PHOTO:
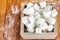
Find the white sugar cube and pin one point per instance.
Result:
(25, 11)
(28, 11)
(24, 20)
(50, 27)
(43, 26)
(36, 7)
(40, 21)
(51, 20)
(46, 14)
(38, 30)
(37, 15)
(43, 4)
(30, 30)
(48, 7)
(29, 5)
(31, 19)
(30, 25)
(54, 13)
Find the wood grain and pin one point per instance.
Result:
(2, 11)
(14, 30)
(3, 4)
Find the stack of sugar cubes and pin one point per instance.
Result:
(39, 17)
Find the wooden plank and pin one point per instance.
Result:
(2, 17)
(2, 11)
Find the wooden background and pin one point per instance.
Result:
(5, 3)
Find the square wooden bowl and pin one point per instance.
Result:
(27, 35)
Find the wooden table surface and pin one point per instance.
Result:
(2, 10)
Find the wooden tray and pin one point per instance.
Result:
(26, 35)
